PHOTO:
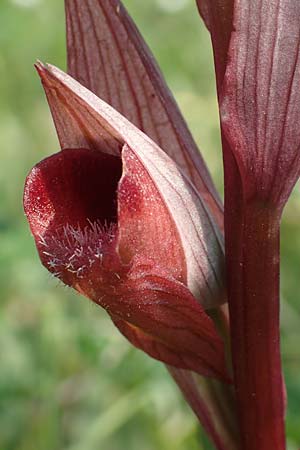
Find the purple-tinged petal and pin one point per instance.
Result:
(107, 54)
(146, 227)
(82, 118)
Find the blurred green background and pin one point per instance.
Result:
(68, 380)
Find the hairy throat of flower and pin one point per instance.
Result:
(74, 254)
(71, 202)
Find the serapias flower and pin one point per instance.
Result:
(116, 220)
(135, 230)
(133, 221)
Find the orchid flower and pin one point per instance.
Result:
(118, 222)
(126, 212)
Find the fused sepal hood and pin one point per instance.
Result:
(83, 120)
(123, 207)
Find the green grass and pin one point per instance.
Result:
(68, 380)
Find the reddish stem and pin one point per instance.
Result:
(252, 254)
